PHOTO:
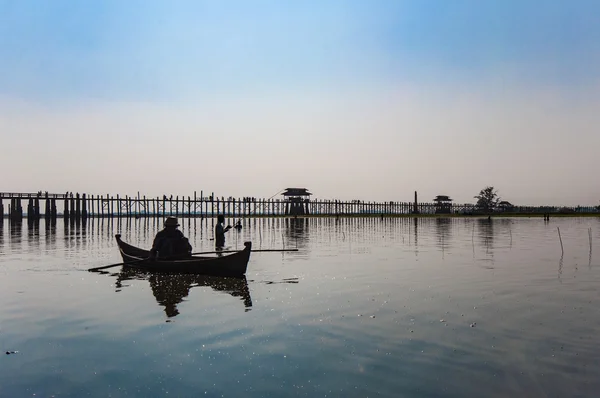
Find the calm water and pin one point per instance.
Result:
(366, 307)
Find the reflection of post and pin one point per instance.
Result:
(66, 231)
(560, 266)
(486, 232)
(16, 231)
(416, 222)
(296, 230)
(590, 236)
(443, 226)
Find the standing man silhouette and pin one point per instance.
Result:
(220, 232)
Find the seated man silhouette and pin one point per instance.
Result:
(170, 242)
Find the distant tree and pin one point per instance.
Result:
(488, 199)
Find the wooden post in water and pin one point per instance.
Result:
(201, 203)
(84, 212)
(18, 210)
(72, 200)
(77, 206)
(14, 210)
(30, 211)
(66, 213)
(1, 211)
(177, 206)
(36, 208)
(53, 209)
(111, 210)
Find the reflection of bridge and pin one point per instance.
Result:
(82, 205)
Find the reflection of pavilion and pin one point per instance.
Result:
(296, 231)
(443, 227)
(297, 200)
(171, 289)
(486, 232)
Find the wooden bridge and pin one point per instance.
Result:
(77, 206)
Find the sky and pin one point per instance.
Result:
(368, 100)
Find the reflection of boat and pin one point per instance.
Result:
(171, 289)
(225, 265)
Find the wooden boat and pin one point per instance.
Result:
(234, 264)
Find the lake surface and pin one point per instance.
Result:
(398, 307)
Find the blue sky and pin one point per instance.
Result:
(159, 50)
(311, 69)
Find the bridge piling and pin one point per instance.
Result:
(84, 212)
(77, 206)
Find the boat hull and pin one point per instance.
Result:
(225, 265)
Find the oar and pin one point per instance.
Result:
(114, 265)
(253, 251)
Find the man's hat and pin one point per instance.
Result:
(171, 222)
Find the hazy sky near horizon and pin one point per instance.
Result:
(352, 99)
